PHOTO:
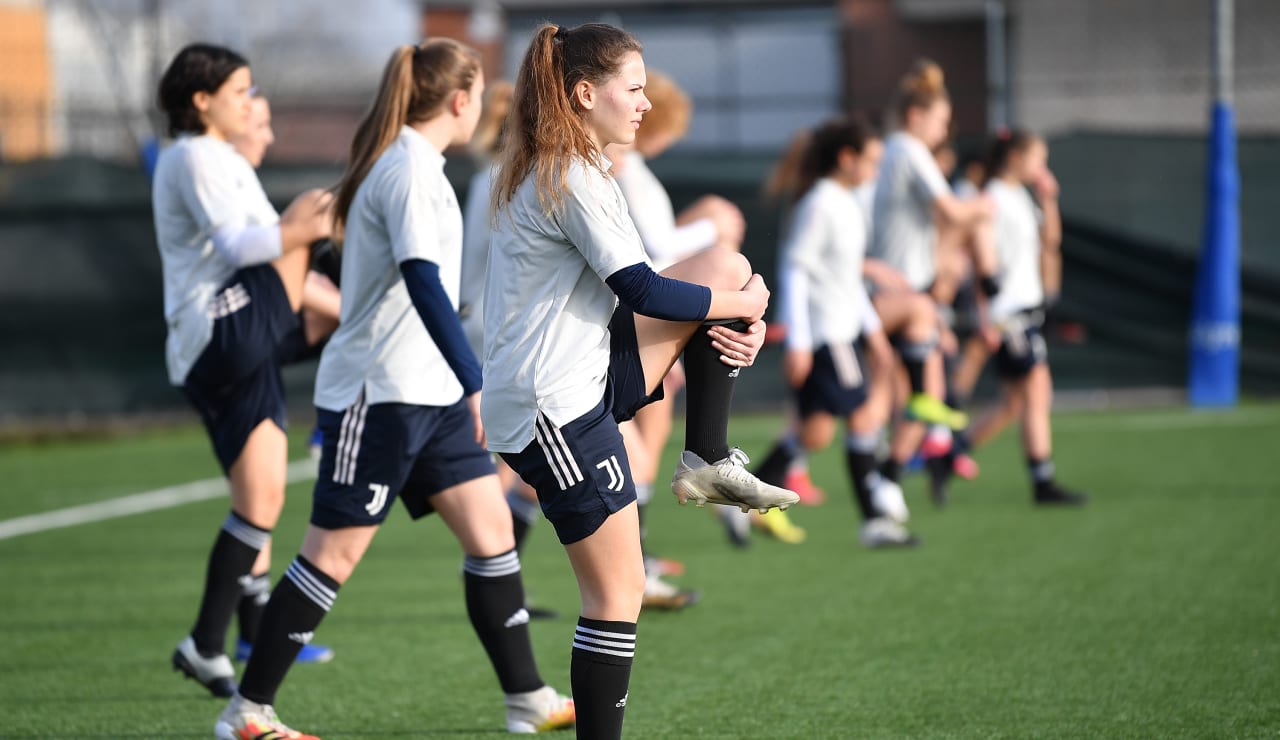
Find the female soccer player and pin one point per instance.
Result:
(1023, 235)
(830, 322)
(319, 319)
(234, 284)
(564, 363)
(398, 396)
(913, 200)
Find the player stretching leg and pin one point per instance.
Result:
(565, 363)
(234, 275)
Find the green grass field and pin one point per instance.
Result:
(1155, 612)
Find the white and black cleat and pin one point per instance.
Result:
(726, 482)
(215, 674)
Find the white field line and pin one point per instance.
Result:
(138, 503)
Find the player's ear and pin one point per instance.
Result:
(201, 101)
(585, 93)
(458, 103)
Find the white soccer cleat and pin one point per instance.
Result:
(215, 674)
(887, 498)
(539, 711)
(882, 532)
(726, 482)
(247, 720)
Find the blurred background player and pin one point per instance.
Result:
(398, 397)
(234, 276)
(580, 331)
(913, 202)
(252, 144)
(830, 322)
(1024, 233)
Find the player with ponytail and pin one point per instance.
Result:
(580, 331)
(398, 397)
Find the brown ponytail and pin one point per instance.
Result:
(493, 117)
(923, 86)
(545, 129)
(415, 85)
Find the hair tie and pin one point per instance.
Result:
(559, 35)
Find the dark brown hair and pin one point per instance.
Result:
(197, 68)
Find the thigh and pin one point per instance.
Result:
(661, 342)
(478, 515)
(257, 477)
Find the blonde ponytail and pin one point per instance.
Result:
(923, 86)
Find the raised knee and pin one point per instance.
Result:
(730, 270)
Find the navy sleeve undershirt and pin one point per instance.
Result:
(649, 294)
(422, 278)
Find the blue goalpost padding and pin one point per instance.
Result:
(1214, 367)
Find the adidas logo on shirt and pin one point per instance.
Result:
(301, 637)
(515, 620)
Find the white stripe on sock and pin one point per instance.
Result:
(591, 649)
(319, 593)
(610, 635)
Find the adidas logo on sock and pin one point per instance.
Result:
(622, 704)
(515, 620)
(301, 637)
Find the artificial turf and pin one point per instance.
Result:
(1153, 612)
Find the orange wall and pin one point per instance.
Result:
(26, 84)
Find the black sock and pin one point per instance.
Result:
(298, 604)
(960, 442)
(255, 591)
(1042, 473)
(495, 604)
(600, 674)
(524, 514)
(891, 469)
(951, 398)
(773, 469)
(914, 355)
(860, 457)
(708, 395)
(234, 551)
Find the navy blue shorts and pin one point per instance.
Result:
(375, 453)
(1022, 346)
(235, 384)
(580, 470)
(837, 384)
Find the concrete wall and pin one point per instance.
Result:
(1138, 65)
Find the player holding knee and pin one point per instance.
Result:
(234, 274)
(565, 363)
(1023, 233)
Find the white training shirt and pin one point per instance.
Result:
(822, 266)
(201, 185)
(902, 228)
(475, 257)
(655, 217)
(404, 209)
(547, 307)
(1017, 237)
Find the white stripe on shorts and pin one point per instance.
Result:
(558, 454)
(845, 360)
(344, 467)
